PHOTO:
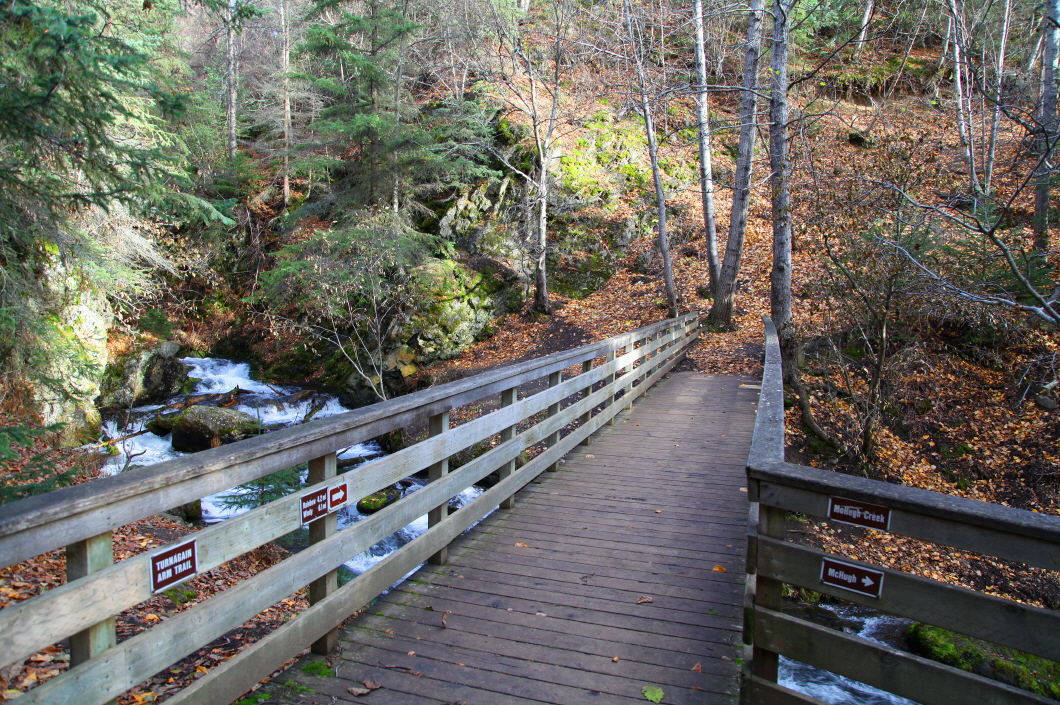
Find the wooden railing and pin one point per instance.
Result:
(776, 487)
(82, 517)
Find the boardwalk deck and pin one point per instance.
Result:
(539, 604)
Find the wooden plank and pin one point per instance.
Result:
(549, 648)
(895, 671)
(437, 425)
(768, 592)
(974, 530)
(558, 682)
(82, 559)
(994, 619)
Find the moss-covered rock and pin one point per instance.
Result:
(457, 303)
(378, 500)
(202, 427)
(1001, 663)
(144, 375)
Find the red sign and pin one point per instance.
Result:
(851, 511)
(338, 496)
(852, 577)
(314, 505)
(173, 565)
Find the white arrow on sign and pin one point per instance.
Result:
(866, 582)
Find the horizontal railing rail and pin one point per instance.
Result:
(777, 487)
(82, 517)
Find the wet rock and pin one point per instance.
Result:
(202, 427)
(378, 500)
(1047, 403)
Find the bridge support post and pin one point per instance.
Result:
(508, 397)
(587, 366)
(608, 380)
(767, 592)
(553, 380)
(83, 558)
(321, 469)
(439, 423)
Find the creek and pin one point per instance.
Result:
(274, 406)
(838, 690)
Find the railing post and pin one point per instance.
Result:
(608, 380)
(508, 397)
(439, 423)
(553, 380)
(321, 469)
(82, 559)
(646, 364)
(587, 366)
(768, 592)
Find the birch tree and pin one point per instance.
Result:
(721, 311)
(706, 167)
(635, 32)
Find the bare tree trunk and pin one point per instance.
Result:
(706, 167)
(963, 88)
(285, 67)
(866, 17)
(230, 74)
(1047, 124)
(780, 277)
(636, 39)
(541, 302)
(721, 311)
(998, 87)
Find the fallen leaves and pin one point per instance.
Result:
(644, 599)
(445, 615)
(698, 668)
(719, 569)
(520, 544)
(653, 693)
(372, 685)
(354, 690)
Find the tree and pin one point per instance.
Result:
(639, 51)
(721, 310)
(530, 78)
(1047, 137)
(706, 169)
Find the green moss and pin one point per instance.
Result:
(180, 594)
(1033, 673)
(378, 500)
(318, 668)
(254, 699)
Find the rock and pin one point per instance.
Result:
(144, 376)
(1047, 403)
(391, 442)
(162, 424)
(378, 500)
(202, 427)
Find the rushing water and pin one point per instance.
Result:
(839, 690)
(274, 406)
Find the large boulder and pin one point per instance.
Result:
(202, 427)
(145, 376)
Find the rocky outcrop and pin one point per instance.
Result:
(144, 376)
(202, 427)
(458, 303)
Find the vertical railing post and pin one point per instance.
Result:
(648, 364)
(768, 592)
(438, 424)
(320, 470)
(82, 559)
(587, 367)
(553, 380)
(508, 397)
(608, 380)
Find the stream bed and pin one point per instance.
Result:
(274, 406)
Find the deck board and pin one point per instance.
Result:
(649, 508)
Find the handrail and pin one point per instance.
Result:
(776, 487)
(82, 517)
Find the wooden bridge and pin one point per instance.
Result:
(613, 563)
